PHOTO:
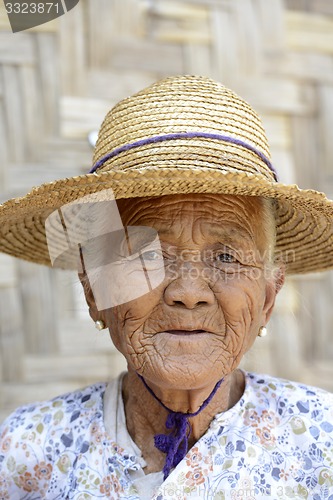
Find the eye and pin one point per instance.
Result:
(151, 255)
(226, 258)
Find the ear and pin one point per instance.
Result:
(273, 286)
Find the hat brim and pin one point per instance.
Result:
(304, 217)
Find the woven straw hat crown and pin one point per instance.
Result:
(190, 108)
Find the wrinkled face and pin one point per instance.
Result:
(216, 293)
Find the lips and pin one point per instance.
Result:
(185, 332)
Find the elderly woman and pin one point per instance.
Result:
(181, 234)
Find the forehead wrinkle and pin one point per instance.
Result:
(130, 209)
(242, 212)
(201, 231)
(228, 225)
(248, 221)
(202, 203)
(152, 213)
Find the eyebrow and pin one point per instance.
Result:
(233, 235)
(236, 234)
(138, 239)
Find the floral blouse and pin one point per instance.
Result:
(275, 443)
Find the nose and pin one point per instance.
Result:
(188, 293)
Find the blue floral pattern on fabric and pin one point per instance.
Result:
(276, 442)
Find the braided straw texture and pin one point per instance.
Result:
(176, 105)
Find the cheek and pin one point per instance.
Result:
(241, 300)
(126, 322)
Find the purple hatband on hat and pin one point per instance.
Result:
(182, 135)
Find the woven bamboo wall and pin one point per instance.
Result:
(56, 83)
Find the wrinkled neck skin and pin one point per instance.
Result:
(145, 416)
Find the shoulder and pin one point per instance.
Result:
(289, 396)
(263, 382)
(59, 410)
(34, 437)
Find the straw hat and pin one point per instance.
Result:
(183, 134)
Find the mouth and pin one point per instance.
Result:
(185, 332)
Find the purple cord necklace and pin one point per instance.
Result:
(175, 444)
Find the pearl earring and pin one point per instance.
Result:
(262, 331)
(99, 324)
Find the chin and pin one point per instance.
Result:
(185, 374)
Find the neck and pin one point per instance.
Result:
(145, 416)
